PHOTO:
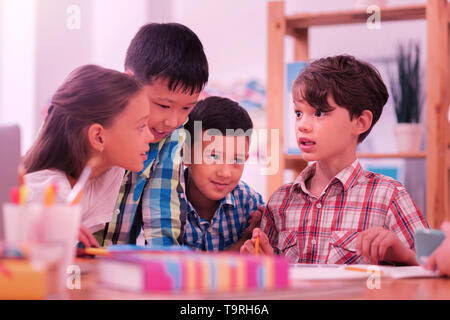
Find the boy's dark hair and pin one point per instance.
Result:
(353, 84)
(168, 51)
(220, 114)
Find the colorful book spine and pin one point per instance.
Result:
(204, 273)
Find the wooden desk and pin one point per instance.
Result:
(405, 289)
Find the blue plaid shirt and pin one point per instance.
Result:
(228, 223)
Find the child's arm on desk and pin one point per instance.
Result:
(379, 244)
(86, 238)
(264, 244)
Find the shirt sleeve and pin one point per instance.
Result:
(161, 203)
(404, 218)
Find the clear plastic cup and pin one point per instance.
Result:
(50, 233)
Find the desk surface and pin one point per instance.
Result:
(388, 289)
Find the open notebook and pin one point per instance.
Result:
(355, 272)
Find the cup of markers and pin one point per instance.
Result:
(48, 231)
(19, 217)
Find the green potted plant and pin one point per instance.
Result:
(406, 97)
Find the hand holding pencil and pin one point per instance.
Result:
(258, 244)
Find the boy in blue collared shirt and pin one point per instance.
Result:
(221, 210)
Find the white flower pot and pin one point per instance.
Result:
(409, 136)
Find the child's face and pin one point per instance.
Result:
(127, 139)
(168, 109)
(323, 136)
(222, 166)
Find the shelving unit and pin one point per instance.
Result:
(437, 15)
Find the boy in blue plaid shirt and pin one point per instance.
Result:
(169, 61)
(221, 210)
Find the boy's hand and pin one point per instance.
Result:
(440, 258)
(255, 219)
(264, 246)
(378, 244)
(86, 238)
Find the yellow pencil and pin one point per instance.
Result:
(257, 245)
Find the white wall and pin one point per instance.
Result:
(63, 42)
(17, 66)
(115, 22)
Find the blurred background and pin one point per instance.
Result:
(41, 41)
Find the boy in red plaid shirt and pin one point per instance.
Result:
(335, 211)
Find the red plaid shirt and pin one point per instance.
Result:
(306, 229)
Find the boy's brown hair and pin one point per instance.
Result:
(353, 85)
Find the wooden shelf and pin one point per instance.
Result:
(294, 161)
(301, 21)
(399, 13)
(406, 155)
(409, 155)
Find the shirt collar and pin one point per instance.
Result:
(347, 176)
(178, 136)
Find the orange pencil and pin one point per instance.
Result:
(363, 270)
(96, 251)
(257, 245)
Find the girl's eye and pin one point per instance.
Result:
(298, 114)
(163, 106)
(142, 127)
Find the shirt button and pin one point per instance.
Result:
(313, 241)
(318, 206)
(117, 211)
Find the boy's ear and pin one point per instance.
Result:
(96, 137)
(363, 122)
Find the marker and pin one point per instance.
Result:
(15, 195)
(49, 196)
(23, 193)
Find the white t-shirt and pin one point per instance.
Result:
(98, 199)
